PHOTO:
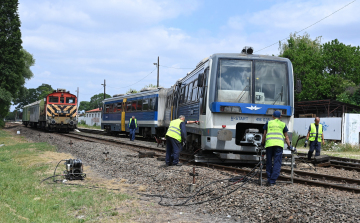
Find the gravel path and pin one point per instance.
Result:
(237, 203)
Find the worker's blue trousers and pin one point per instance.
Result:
(273, 170)
(314, 145)
(132, 134)
(173, 149)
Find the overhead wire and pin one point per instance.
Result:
(133, 83)
(308, 26)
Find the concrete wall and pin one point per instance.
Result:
(351, 129)
(331, 127)
(91, 118)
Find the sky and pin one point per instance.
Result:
(80, 43)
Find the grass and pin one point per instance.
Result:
(88, 126)
(24, 199)
(331, 148)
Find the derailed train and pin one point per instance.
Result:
(232, 95)
(56, 112)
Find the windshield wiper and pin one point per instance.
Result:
(241, 96)
(280, 94)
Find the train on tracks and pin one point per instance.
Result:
(232, 95)
(56, 112)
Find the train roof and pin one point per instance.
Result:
(231, 55)
(134, 95)
(31, 104)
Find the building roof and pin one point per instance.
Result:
(95, 110)
(328, 108)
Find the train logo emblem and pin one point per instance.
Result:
(253, 108)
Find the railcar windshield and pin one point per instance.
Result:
(271, 83)
(234, 81)
(236, 77)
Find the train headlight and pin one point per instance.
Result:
(230, 109)
(71, 122)
(270, 111)
(53, 122)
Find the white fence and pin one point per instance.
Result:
(346, 129)
(91, 118)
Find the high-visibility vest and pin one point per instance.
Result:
(135, 122)
(274, 133)
(174, 129)
(313, 132)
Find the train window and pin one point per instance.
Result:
(70, 100)
(190, 91)
(62, 100)
(107, 108)
(182, 95)
(111, 108)
(128, 106)
(145, 104)
(114, 107)
(139, 105)
(195, 91)
(152, 103)
(133, 106)
(186, 93)
(119, 107)
(54, 99)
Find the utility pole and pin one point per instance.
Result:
(104, 88)
(158, 67)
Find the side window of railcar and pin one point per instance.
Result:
(145, 104)
(186, 93)
(62, 100)
(190, 91)
(133, 106)
(139, 105)
(195, 92)
(119, 107)
(152, 103)
(182, 95)
(53, 99)
(128, 106)
(114, 107)
(111, 108)
(107, 108)
(70, 100)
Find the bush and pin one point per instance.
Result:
(94, 125)
(295, 138)
(83, 122)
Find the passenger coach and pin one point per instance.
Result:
(147, 106)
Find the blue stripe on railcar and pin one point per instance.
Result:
(247, 108)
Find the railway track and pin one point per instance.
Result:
(301, 177)
(308, 178)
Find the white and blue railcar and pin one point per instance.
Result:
(147, 106)
(233, 96)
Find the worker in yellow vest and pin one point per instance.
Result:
(315, 132)
(275, 133)
(174, 136)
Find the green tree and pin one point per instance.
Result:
(12, 65)
(326, 71)
(31, 95)
(95, 102)
(132, 91)
(305, 56)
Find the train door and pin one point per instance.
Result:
(123, 115)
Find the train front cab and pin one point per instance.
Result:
(60, 113)
(241, 95)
